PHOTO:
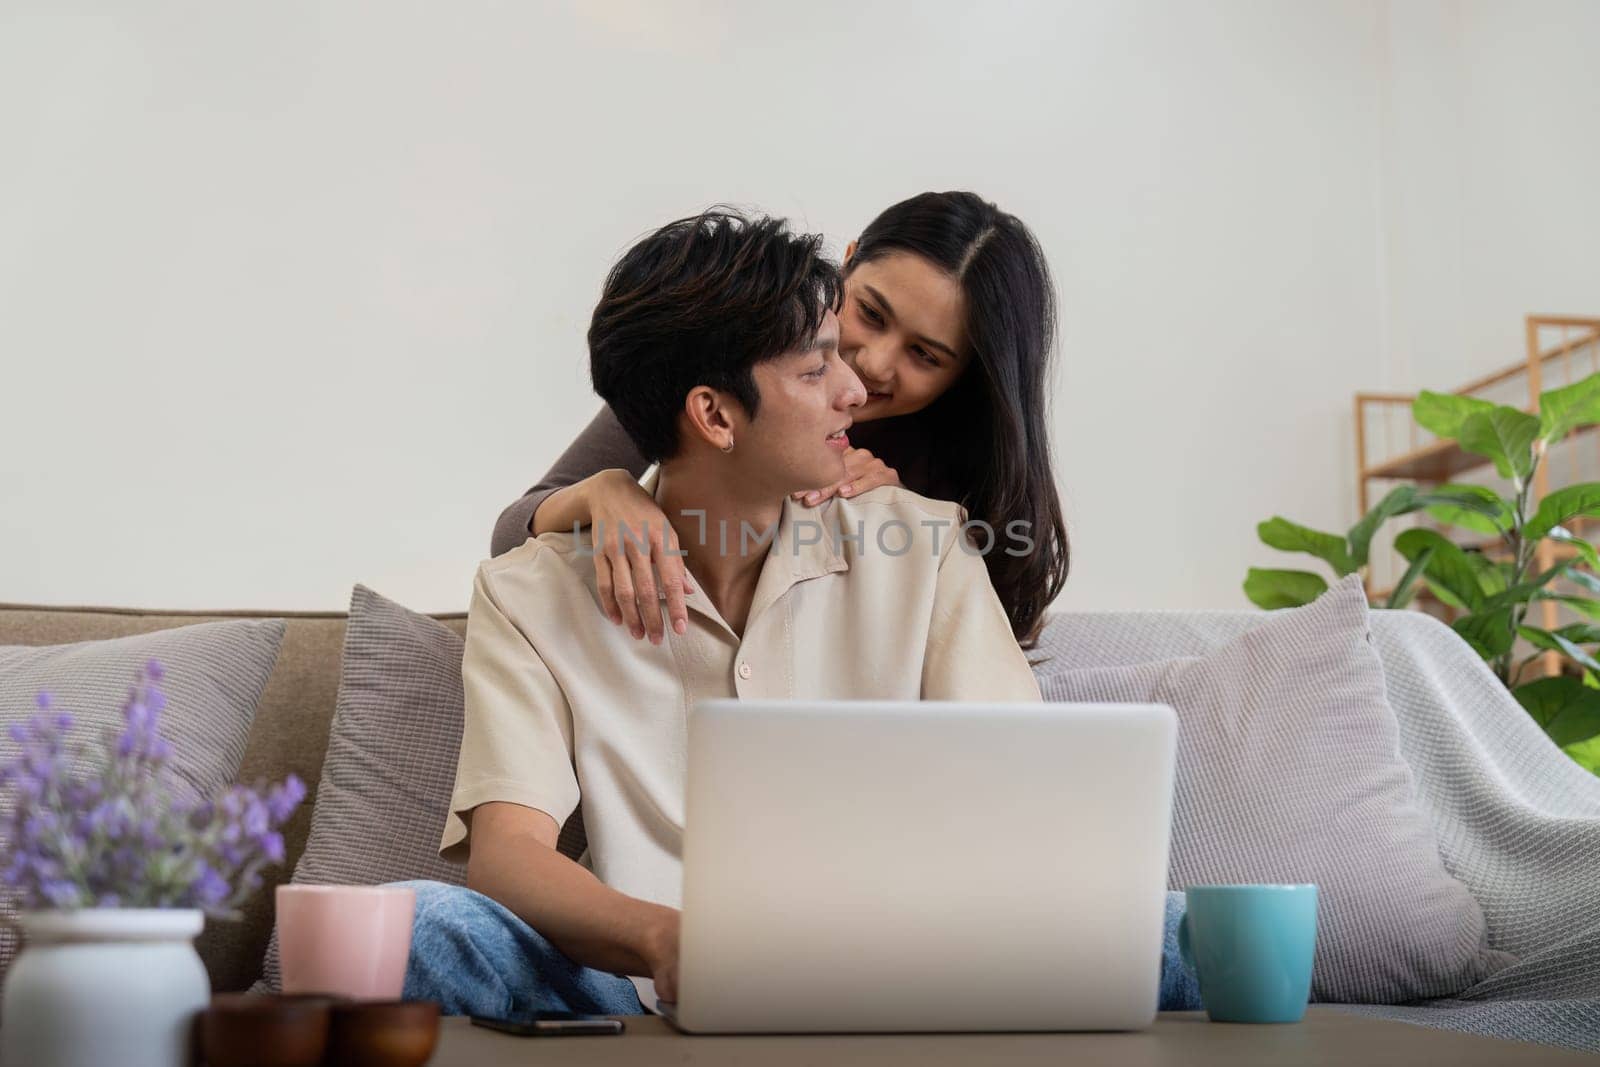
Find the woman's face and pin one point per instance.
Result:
(902, 331)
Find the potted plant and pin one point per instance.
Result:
(1491, 586)
(114, 877)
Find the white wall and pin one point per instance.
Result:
(1491, 165)
(292, 295)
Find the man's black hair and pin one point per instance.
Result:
(700, 302)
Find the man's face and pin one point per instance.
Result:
(797, 439)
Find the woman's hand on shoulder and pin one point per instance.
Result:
(862, 472)
(636, 561)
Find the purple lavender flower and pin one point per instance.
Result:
(117, 837)
(282, 799)
(61, 893)
(128, 863)
(200, 817)
(256, 818)
(209, 887)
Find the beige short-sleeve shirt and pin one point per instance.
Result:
(873, 598)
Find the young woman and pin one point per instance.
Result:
(948, 317)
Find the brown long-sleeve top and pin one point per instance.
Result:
(902, 443)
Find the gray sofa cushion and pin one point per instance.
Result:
(391, 759)
(391, 756)
(214, 676)
(1289, 770)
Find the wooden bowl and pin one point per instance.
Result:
(249, 1030)
(383, 1033)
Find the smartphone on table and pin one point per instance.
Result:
(552, 1024)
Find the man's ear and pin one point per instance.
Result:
(709, 416)
(849, 254)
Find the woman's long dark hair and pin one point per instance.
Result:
(989, 430)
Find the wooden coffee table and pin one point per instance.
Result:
(1326, 1036)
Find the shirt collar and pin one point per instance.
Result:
(806, 547)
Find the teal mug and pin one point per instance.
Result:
(1251, 947)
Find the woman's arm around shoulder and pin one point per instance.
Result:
(603, 445)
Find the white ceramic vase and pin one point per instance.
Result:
(104, 986)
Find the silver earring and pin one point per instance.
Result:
(729, 446)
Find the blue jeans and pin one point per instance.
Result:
(470, 953)
(474, 957)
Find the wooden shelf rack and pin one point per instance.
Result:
(1560, 349)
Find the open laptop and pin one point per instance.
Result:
(919, 866)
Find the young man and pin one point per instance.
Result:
(715, 344)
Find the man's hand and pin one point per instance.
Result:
(660, 953)
(862, 471)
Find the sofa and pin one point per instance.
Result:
(1495, 787)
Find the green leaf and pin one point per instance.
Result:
(1443, 593)
(1581, 633)
(1579, 576)
(1402, 590)
(1443, 413)
(1562, 506)
(1578, 544)
(1544, 698)
(1272, 589)
(1399, 501)
(1278, 532)
(1472, 507)
(1554, 641)
(1489, 633)
(1504, 435)
(1492, 576)
(1538, 638)
(1473, 500)
(1585, 754)
(1563, 410)
(1450, 574)
(1564, 708)
(1526, 591)
(1582, 605)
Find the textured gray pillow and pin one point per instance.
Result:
(1289, 770)
(391, 759)
(215, 672)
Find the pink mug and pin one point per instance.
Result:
(345, 940)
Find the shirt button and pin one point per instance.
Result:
(744, 670)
